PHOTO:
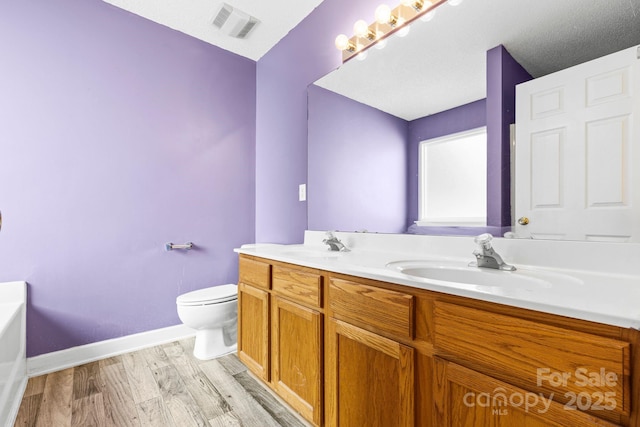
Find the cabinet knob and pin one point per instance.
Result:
(523, 220)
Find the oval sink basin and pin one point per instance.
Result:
(521, 279)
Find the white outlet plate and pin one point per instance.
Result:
(302, 192)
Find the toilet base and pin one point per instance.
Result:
(210, 343)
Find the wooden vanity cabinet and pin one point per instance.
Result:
(280, 331)
(577, 369)
(297, 340)
(253, 316)
(370, 378)
(370, 373)
(297, 357)
(349, 351)
(464, 397)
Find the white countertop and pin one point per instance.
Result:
(602, 291)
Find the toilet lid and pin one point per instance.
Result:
(215, 294)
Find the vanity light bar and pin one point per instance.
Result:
(388, 21)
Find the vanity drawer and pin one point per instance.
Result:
(575, 368)
(304, 286)
(255, 273)
(367, 306)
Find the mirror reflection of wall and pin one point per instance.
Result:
(357, 176)
(449, 76)
(338, 126)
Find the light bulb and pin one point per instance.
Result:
(381, 43)
(383, 14)
(417, 5)
(362, 55)
(360, 28)
(404, 30)
(342, 42)
(454, 2)
(428, 16)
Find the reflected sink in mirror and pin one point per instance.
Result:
(487, 278)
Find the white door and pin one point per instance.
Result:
(578, 152)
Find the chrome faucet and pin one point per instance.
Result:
(334, 243)
(486, 256)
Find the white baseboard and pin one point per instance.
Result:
(57, 360)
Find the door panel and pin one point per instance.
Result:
(370, 379)
(253, 329)
(297, 357)
(575, 154)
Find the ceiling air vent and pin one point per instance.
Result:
(234, 22)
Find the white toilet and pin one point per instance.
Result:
(213, 312)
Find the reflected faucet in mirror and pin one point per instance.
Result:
(486, 256)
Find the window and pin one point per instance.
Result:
(453, 180)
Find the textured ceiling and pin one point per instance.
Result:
(194, 17)
(442, 63)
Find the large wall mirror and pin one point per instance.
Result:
(362, 117)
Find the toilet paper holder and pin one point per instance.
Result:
(171, 246)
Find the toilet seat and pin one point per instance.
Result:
(206, 296)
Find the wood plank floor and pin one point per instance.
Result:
(158, 386)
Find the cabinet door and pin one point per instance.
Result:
(370, 378)
(297, 357)
(253, 329)
(558, 362)
(463, 397)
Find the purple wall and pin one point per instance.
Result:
(357, 166)
(503, 74)
(304, 55)
(117, 135)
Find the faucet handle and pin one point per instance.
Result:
(484, 240)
